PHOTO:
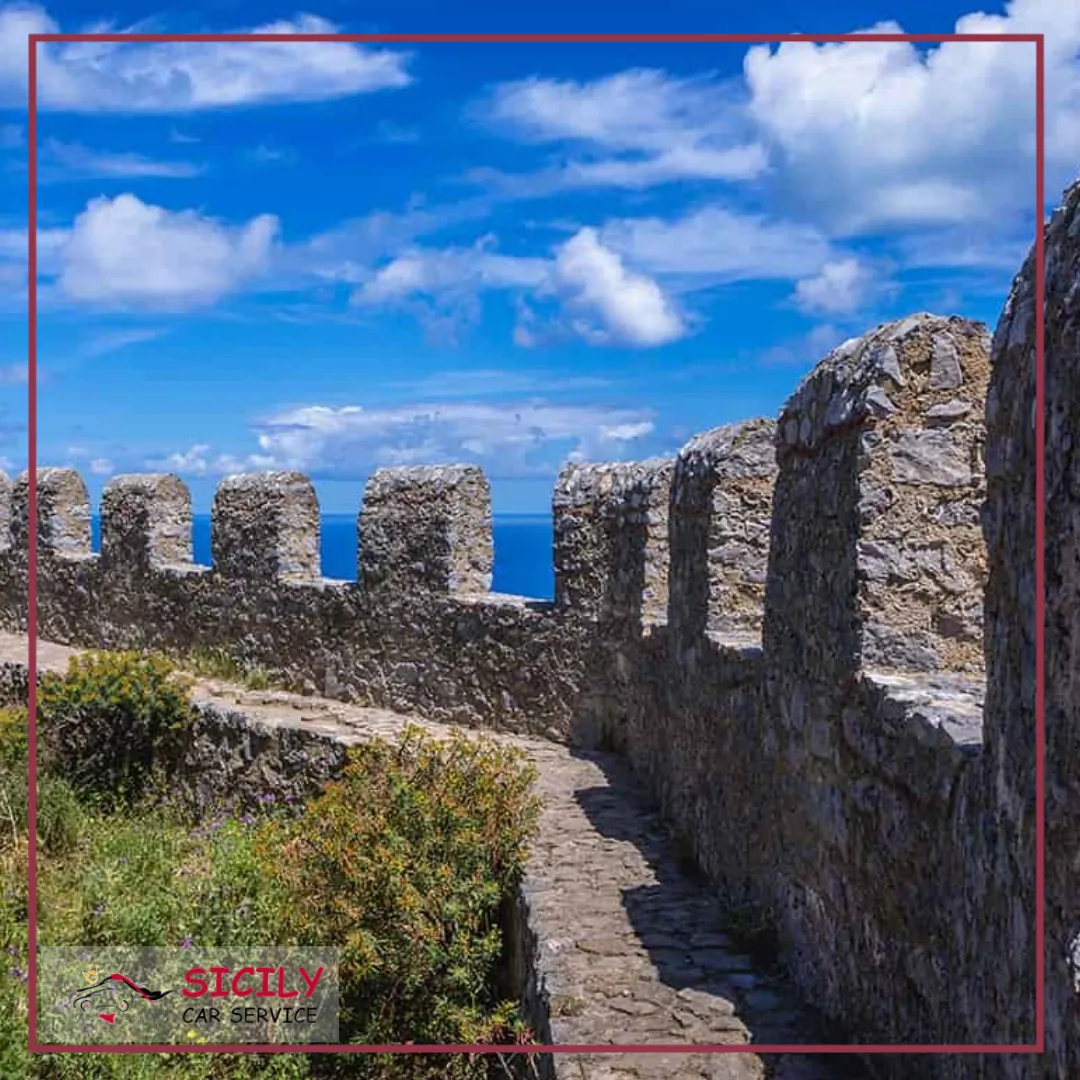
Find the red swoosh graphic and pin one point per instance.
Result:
(149, 995)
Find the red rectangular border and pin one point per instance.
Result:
(1038, 1047)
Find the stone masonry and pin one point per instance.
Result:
(599, 950)
(812, 641)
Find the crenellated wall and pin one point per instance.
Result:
(782, 628)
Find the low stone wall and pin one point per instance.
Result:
(412, 641)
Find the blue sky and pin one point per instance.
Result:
(333, 257)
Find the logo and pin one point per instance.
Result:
(112, 996)
(185, 995)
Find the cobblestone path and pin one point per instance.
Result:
(628, 946)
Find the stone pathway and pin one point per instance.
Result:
(628, 947)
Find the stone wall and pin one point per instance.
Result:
(1005, 913)
(781, 628)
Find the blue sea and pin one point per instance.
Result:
(523, 560)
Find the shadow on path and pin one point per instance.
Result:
(679, 920)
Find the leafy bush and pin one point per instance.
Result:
(111, 720)
(403, 863)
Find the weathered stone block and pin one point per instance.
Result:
(265, 526)
(63, 514)
(426, 528)
(877, 552)
(721, 507)
(145, 522)
(611, 540)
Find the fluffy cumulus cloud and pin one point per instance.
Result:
(124, 253)
(602, 300)
(511, 439)
(151, 78)
(616, 303)
(864, 138)
(873, 135)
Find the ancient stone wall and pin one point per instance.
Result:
(781, 628)
(1005, 911)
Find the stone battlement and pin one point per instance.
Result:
(874, 468)
(781, 628)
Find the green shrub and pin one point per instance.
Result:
(403, 863)
(110, 720)
(14, 776)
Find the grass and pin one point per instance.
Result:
(218, 662)
(402, 863)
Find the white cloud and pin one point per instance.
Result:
(350, 251)
(124, 253)
(852, 138)
(524, 438)
(628, 307)
(442, 287)
(840, 288)
(102, 467)
(882, 136)
(637, 128)
(449, 272)
(191, 462)
(156, 78)
(719, 244)
(112, 340)
(71, 161)
(606, 301)
(13, 263)
(50, 243)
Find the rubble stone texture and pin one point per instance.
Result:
(880, 452)
(264, 527)
(147, 522)
(781, 630)
(611, 541)
(1011, 515)
(426, 528)
(721, 504)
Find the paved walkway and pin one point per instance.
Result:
(629, 948)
